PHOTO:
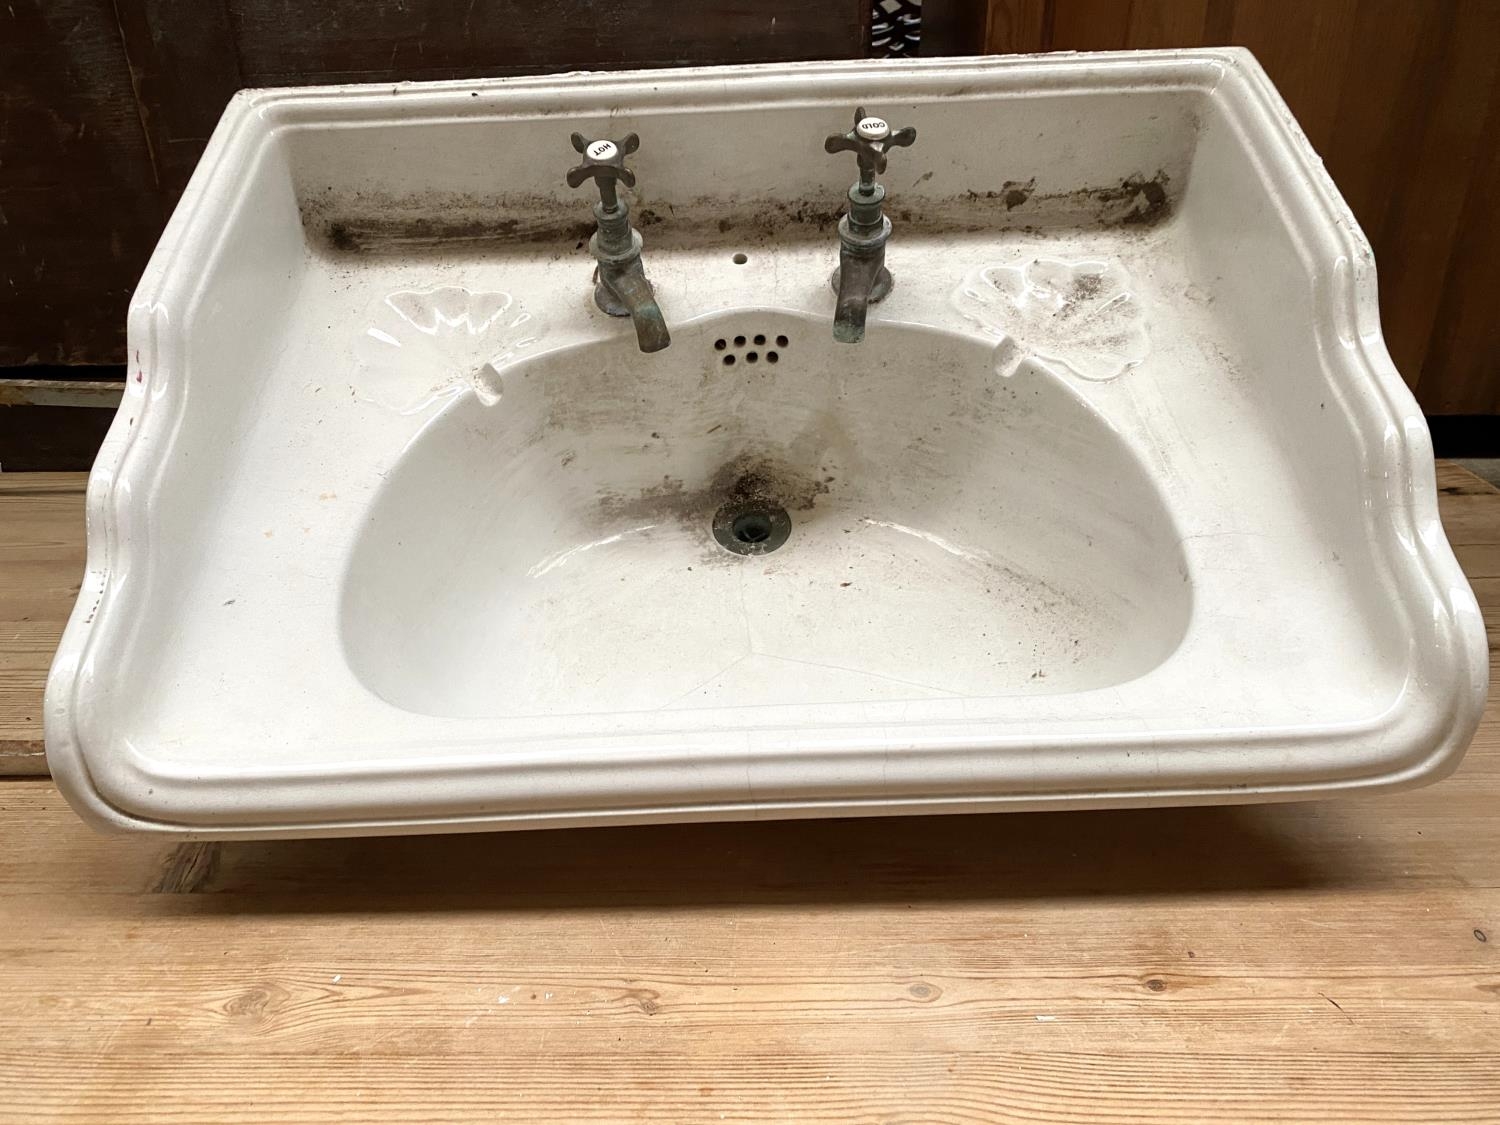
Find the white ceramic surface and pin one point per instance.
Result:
(1120, 501)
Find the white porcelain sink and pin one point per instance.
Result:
(1119, 502)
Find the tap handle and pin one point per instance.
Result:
(604, 163)
(869, 140)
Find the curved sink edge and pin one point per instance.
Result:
(131, 792)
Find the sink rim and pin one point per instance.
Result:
(116, 785)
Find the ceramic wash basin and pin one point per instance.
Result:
(1119, 502)
(927, 557)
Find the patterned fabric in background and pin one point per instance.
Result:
(895, 28)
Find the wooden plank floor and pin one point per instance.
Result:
(1320, 962)
(41, 564)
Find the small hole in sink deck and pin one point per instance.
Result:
(720, 344)
(740, 259)
(782, 341)
(729, 361)
(772, 357)
(751, 357)
(759, 340)
(739, 341)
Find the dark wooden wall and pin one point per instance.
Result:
(80, 205)
(1402, 100)
(105, 106)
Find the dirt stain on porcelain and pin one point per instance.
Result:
(749, 482)
(748, 479)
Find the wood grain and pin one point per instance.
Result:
(1422, 229)
(1337, 961)
(184, 68)
(1462, 366)
(1305, 48)
(1166, 23)
(79, 209)
(41, 565)
(959, 27)
(1014, 27)
(350, 40)
(1089, 25)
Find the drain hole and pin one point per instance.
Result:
(751, 529)
(740, 259)
(731, 354)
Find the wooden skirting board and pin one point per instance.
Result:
(1337, 961)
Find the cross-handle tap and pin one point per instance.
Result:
(869, 140)
(862, 278)
(620, 285)
(604, 163)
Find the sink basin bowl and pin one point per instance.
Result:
(577, 569)
(1119, 502)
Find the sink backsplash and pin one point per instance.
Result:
(732, 164)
